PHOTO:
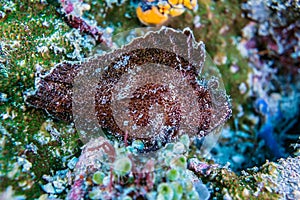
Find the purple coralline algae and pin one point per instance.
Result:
(73, 15)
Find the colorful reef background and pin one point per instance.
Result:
(256, 46)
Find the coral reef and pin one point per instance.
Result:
(257, 55)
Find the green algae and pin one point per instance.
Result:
(27, 26)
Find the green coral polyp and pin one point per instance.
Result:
(193, 195)
(165, 191)
(95, 194)
(172, 175)
(179, 190)
(98, 177)
(179, 162)
(122, 166)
